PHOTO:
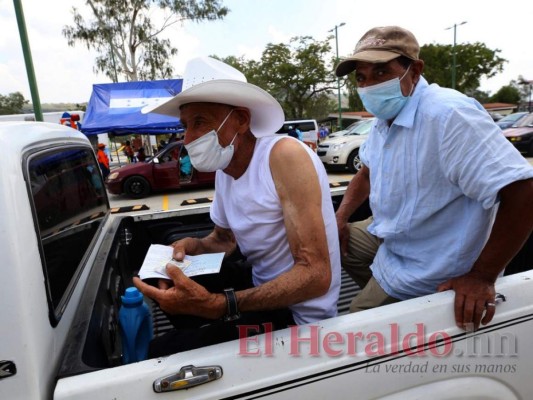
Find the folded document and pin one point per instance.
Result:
(158, 256)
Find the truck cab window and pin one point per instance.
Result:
(69, 202)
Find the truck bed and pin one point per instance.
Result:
(95, 343)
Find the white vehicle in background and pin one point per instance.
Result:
(343, 151)
(308, 127)
(348, 128)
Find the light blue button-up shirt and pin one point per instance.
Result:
(435, 174)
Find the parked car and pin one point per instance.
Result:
(495, 116)
(347, 129)
(343, 151)
(511, 119)
(521, 134)
(338, 133)
(161, 172)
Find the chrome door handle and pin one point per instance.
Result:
(188, 376)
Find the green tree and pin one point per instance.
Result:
(127, 39)
(12, 103)
(525, 88)
(473, 62)
(298, 74)
(507, 94)
(479, 95)
(354, 101)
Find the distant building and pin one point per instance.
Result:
(500, 108)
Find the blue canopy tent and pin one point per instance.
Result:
(115, 108)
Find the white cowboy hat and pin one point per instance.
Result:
(207, 80)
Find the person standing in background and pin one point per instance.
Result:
(128, 151)
(299, 133)
(103, 161)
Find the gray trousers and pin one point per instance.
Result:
(362, 248)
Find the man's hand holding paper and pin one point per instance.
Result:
(176, 293)
(183, 295)
(160, 257)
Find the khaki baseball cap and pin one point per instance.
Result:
(380, 45)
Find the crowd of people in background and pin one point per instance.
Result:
(133, 150)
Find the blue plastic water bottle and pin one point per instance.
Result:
(135, 326)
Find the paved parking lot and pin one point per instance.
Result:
(172, 200)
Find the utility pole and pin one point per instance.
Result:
(339, 120)
(454, 60)
(36, 102)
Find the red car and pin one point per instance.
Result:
(166, 170)
(521, 135)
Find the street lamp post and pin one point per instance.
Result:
(339, 120)
(454, 65)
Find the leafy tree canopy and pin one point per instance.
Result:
(525, 88)
(473, 61)
(12, 103)
(354, 101)
(298, 74)
(507, 94)
(126, 38)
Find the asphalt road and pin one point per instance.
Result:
(172, 200)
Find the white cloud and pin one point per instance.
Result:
(278, 36)
(250, 53)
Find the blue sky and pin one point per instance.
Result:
(66, 74)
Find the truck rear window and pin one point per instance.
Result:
(70, 202)
(303, 126)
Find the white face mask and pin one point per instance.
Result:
(206, 153)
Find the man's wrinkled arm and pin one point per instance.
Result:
(296, 182)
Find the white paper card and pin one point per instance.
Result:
(158, 256)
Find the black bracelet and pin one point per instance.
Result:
(232, 312)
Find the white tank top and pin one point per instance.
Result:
(251, 208)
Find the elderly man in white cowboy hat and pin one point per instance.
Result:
(272, 202)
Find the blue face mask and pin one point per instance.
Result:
(385, 100)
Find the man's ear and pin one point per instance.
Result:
(243, 119)
(417, 67)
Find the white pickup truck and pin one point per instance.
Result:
(65, 261)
